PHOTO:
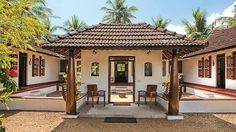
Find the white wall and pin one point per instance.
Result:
(190, 70)
(52, 65)
(141, 57)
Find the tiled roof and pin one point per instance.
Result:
(220, 39)
(47, 52)
(121, 35)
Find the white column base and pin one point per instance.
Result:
(70, 116)
(175, 117)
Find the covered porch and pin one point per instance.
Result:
(122, 40)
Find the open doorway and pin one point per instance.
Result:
(22, 69)
(121, 79)
(221, 71)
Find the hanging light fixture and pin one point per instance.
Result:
(94, 52)
(148, 52)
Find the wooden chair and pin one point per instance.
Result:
(63, 87)
(151, 93)
(165, 93)
(166, 90)
(93, 92)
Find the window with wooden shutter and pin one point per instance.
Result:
(199, 68)
(234, 65)
(35, 66)
(228, 67)
(41, 66)
(203, 66)
(208, 67)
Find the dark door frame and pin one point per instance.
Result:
(109, 73)
(22, 76)
(217, 76)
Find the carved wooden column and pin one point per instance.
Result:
(173, 108)
(71, 86)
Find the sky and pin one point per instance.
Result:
(175, 10)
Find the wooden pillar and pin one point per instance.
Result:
(173, 108)
(71, 86)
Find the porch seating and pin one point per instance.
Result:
(93, 92)
(63, 87)
(165, 93)
(151, 93)
(166, 90)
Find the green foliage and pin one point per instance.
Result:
(118, 12)
(8, 83)
(161, 22)
(51, 30)
(5, 97)
(22, 22)
(199, 29)
(73, 24)
(229, 21)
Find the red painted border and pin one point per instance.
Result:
(228, 92)
(48, 98)
(36, 86)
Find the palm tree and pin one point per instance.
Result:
(51, 30)
(73, 24)
(229, 21)
(37, 9)
(199, 29)
(118, 12)
(160, 22)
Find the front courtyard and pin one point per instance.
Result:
(27, 121)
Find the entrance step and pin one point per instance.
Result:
(144, 111)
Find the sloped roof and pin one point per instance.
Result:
(220, 39)
(122, 35)
(47, 52)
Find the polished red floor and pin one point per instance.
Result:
(228, 92)
(36, 86)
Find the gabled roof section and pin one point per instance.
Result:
(220, 39)
(121, 35)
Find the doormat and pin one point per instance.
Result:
(121, 104)
(120, 120)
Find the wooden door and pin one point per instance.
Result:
(221, 71)
(22, 69)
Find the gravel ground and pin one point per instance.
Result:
(23, 121)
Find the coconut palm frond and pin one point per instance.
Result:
(117, 12)
(160, 22)
(199, 28)
(73, 24)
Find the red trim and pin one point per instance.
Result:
(228, 92)
(36, 86)
(48, 98)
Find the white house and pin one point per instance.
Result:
(125, 58)
(215, 65)
(118, 55)
(36, 67)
